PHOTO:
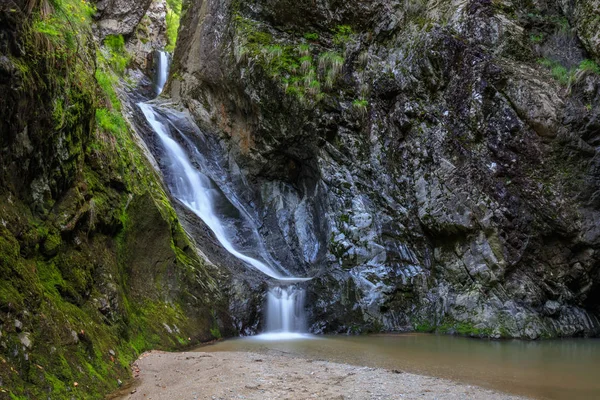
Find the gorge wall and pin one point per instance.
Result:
(433, 164)
(95, 266)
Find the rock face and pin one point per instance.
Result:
(120, 17)
(584, 15)
(95, 266)
(422, 161)
(148, 36)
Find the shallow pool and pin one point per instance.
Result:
(552, 369)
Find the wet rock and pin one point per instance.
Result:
(552, 307)
(431, 184)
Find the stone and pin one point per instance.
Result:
(24, 338)
(552, 307)
(120, 17)
(74, 337)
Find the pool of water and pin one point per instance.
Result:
(552, 369)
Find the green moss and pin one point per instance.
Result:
(111, 121)
(52, 243)
(117, 56)
(107, 81)
(59, 282)
(311, 36)
(425, 327)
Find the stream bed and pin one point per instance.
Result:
(551, 369)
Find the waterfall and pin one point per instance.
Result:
(161, 71)
(285, 309)
(285, 317)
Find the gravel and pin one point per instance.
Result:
(236, 375)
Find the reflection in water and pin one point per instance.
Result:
(554, 369)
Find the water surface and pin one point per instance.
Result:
(553, 369)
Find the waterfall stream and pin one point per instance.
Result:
(285, 317)
(161, 71)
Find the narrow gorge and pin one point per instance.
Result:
(178, 172)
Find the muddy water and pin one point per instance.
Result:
(555, 369)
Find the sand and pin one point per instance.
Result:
(236, 375)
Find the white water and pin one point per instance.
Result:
(197, 192)
(285, 304)
(162, 71)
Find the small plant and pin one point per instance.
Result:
(342, 34)
(331, 60)
(314, 88)
(559, 72)
(537, 38)
(273, 52)
(304, 50)
(309, 78)
(590, 66)
(216, 333)
(305, 63)
(360, 105)
(311, 36)
(330, 79)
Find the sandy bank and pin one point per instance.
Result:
(230, 375)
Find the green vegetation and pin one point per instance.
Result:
(590, 66)
(559, 72)
(68, 274)
(360, 105)
(173, 20)
(564, 75)
(537, 38)
(301, 69)
(342, 34)
(117, 56)
(111, 121)
(111, 63)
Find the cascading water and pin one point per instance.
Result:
(161, 71)
(285, 312)
(285, 301)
